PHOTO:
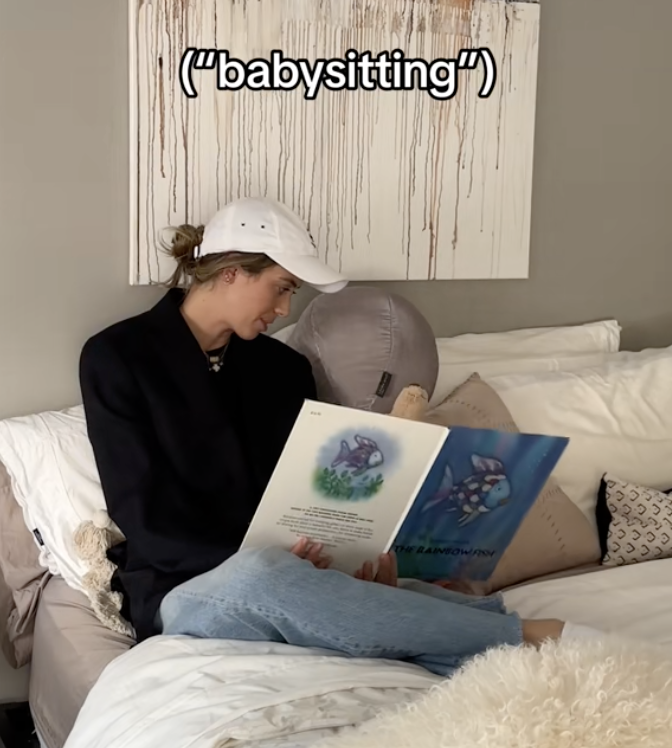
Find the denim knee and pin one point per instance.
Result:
(249, 578)
(246, 572)
(251, 567)
(259, 561)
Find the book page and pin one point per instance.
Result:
(475, 498)
(346, 478)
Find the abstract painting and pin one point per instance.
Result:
(401, 131)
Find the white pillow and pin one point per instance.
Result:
(525, 350)
(535, 342)
(55, 480)
(451, 375)
(591, 337)
(618, 416)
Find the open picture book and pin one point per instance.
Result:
(447, 501)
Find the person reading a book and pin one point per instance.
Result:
(188, 408)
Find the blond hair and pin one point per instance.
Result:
(201, 270)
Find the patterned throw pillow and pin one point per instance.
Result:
(641, 523)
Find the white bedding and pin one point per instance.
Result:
(183, 693)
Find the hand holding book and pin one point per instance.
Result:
(385, 572)
(312, 552)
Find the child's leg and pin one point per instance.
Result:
(272, 595)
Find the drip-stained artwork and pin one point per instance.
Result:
(231, 98)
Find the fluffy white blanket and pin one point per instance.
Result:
(607, 693)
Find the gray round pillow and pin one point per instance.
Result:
(365, 345)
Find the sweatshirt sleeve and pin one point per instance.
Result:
(149, 505)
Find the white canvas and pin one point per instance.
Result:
(394, 185)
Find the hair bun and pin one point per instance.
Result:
(186, 238)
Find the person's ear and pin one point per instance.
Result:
(228, 275)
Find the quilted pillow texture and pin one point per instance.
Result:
(641, 523)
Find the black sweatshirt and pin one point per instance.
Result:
(184, 454)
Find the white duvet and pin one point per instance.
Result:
(175, 692)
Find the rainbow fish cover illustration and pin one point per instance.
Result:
(474, 499)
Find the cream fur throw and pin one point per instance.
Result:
(574, 694)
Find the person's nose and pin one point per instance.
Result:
(283, 307)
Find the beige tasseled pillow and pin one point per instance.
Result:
(555, 536)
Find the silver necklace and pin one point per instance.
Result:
(215, 360)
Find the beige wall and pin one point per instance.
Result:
(601, 233)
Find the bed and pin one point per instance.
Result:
(88, 687)
(176, 692)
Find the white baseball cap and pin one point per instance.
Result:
(262, 225)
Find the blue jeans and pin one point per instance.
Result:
(272, 595)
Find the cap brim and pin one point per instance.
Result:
(311, 270)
